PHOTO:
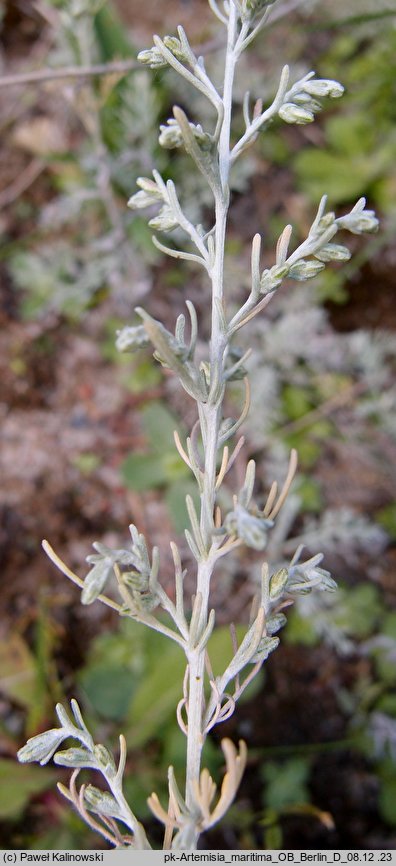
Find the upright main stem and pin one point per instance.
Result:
(210, 414)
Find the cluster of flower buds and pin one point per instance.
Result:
(251, 529)
(134, 565)
(102, 564)
(302, 101)
(318, 246)
(151, 192)
(305, 576)
(152, 57)
(43, 746)
(272, 278)
(156, 58)
(359, 220)
(249, 10)
(171, 135)
(274, 623)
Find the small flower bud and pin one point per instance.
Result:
(266, 646)
(75, 758)
(307, 102)
(250, 9)
(42, 747)
(326, 221)
(291, 113)
(101, 802)
(140, 200)
(305, 576)
(275, 623)
(272, 278)
(170, 135)
(105, 759)
(305, 270)
(148, 194)
(165, 221)
(173, 44)
(359, 222)
(277, 583)
(323, 87)
(252, 530)
(152, 57)
(333, 253)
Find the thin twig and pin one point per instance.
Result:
(40, 76)
(22, 182)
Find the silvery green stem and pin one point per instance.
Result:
(140, 838)
(210, 415)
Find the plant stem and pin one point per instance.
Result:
(210, 415)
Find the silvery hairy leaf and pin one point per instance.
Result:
(132, 338)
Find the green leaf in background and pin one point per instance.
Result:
(349, 178)
(286, 783)
(358, 610)
(112, 36)
(387, 800)
(113, 670)
(386, 517)
(108, 689)
(158, 425)
(300, 629)
(18, 671)
(141, 376)
(18, 783)
(144, 471)
(387, 792)
(156, 695)
(309, 493)
(163, 467)
(296, 401)
(175, 498)
(383, 655)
